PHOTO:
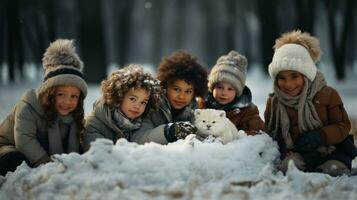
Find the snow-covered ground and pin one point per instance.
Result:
(186, 169)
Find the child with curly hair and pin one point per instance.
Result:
(182, 79)
(127, 95)
(47, 120)
(304, 115)
(228, 92)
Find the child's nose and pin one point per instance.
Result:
(181, 95)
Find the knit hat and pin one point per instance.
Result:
(295, 51)
(62, 66)
(231, 68)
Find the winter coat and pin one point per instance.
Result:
(152, 128)
(25, 129)
(242, 112)
(331, 112)
(100, 124)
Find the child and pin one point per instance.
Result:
(228, 92)
(48, 120)
(182, 79)
(127, 94)
(304, 115)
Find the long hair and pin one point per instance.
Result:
(48, 100)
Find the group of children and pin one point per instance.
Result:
(304, 115)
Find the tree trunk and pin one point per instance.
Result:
(125, 9)
(157, 36)
(305, 15)
(338, 45)
(269, 29)
(92, 44)
(51, 18)
(14, 45)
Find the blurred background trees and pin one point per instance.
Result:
(117, 32)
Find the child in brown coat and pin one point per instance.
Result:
(228, 92)
(303, 114)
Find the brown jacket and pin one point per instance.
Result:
(245, 116)
(333, 115)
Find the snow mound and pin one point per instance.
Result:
(125, 169)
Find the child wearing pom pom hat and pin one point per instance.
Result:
(228, 92)
(304, 115)
(47, 120)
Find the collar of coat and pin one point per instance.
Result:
(243, 101)
(185, 115)
(30, 97)
(106, 115)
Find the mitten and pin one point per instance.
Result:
(178, 130)
(308, 141)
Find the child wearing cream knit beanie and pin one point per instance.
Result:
(303, 114)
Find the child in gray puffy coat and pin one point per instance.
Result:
(47, 120)
(127, 95)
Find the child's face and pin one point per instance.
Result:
(66, 99)
(290, 82)
(224, 93)
(180, 94)
(134, 102)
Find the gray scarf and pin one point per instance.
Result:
(124, 124)
(307, 115)
(63, 131)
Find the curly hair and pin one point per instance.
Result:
(302, 38)
(48, 99)
(121, 81)
(182, 66)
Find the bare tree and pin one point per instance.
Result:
(124, 10)
(92, 44)
(2, 32)
(269, 29)
(229, 31)
(339, 42)
(305, 14)
(157, 28)
(14, 40)
(49, 6)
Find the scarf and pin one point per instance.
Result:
(124, 124)
(63, 136)
(308, 118)
(244, 100)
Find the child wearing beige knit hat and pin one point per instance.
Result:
(49, 119)
(228, 92)
(303, 114)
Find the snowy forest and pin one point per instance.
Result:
(110, 34)
(115, 33)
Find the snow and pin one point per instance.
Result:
(186, 169)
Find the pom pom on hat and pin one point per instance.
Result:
(295, 51)
(230, 68)
(62, 66)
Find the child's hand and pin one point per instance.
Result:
(308, 141)
(179, 130)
